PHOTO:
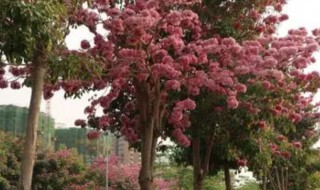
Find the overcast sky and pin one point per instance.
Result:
(301, 13)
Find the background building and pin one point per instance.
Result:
(58, 125)
(14, 119)
(120, 147)
(77, 138)
(90, 149)
(52, 136)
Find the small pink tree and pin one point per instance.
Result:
(124, 176)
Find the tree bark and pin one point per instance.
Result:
(145, 175)
(196, 159)
(227, 178)
(264, 181)
(207, 157)
(29, 152)
(148, 122)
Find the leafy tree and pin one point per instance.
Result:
(31, 31)
(157, 59)
(228, 132)
(58, 170)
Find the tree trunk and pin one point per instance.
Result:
(227, 178)
(207, 157)
(145, 175)
(147, 128)
(197, 173)
(264, 181)
(38, 75)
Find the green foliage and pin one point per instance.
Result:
(314, 181)
(250, 186)
(28, 27)
(10, 150)
(57, 170)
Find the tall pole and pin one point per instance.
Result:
(106, 158)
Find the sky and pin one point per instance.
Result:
(301, 13)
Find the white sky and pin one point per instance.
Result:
(301, 13)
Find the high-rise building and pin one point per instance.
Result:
(14, 119)
(58, 125)
(126, 154)
(90, 149)
(77, 138)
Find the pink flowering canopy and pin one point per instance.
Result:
(156, 59)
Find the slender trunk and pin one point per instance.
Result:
(38, 75)
(227, 178)
(147, 129)
(153, 152)
(277, 178)
(207, 157)
(197, 174)
(145, 176)
(264, 181)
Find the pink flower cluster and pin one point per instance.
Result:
(125, 175)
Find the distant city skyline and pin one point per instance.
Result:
(301, 13)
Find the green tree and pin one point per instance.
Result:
(31, 31)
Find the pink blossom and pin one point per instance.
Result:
(316, 32)
(278, 75)
(295, 117)
(88, 110)
(281, 138)
(279, 108)
(297, 144)
(181, 138)
(241, 162)
(300, 62)
(273, 147)
(104, 121)
(174, 17)
(283, 17)
(187, 104)
(3, 83)
(2, 71)
(172, 85)
(15, 85)
(228, 41)
(113, 12)
(240, 88)
(262, 125)
(80, 122)
(85, 44)
(277, 152)
(254, 14)
(242, 70)
(92, 135)
(266, 84)
(286, 154)
(175, 116)
(117, 25)
(167, 71)
(275, 112)
(232, 102)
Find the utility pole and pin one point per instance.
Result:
(107, 163)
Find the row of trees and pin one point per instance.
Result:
(172, 69)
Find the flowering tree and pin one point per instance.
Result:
(152, 51)
(269, 106)
(156, 59)
(220, 128)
